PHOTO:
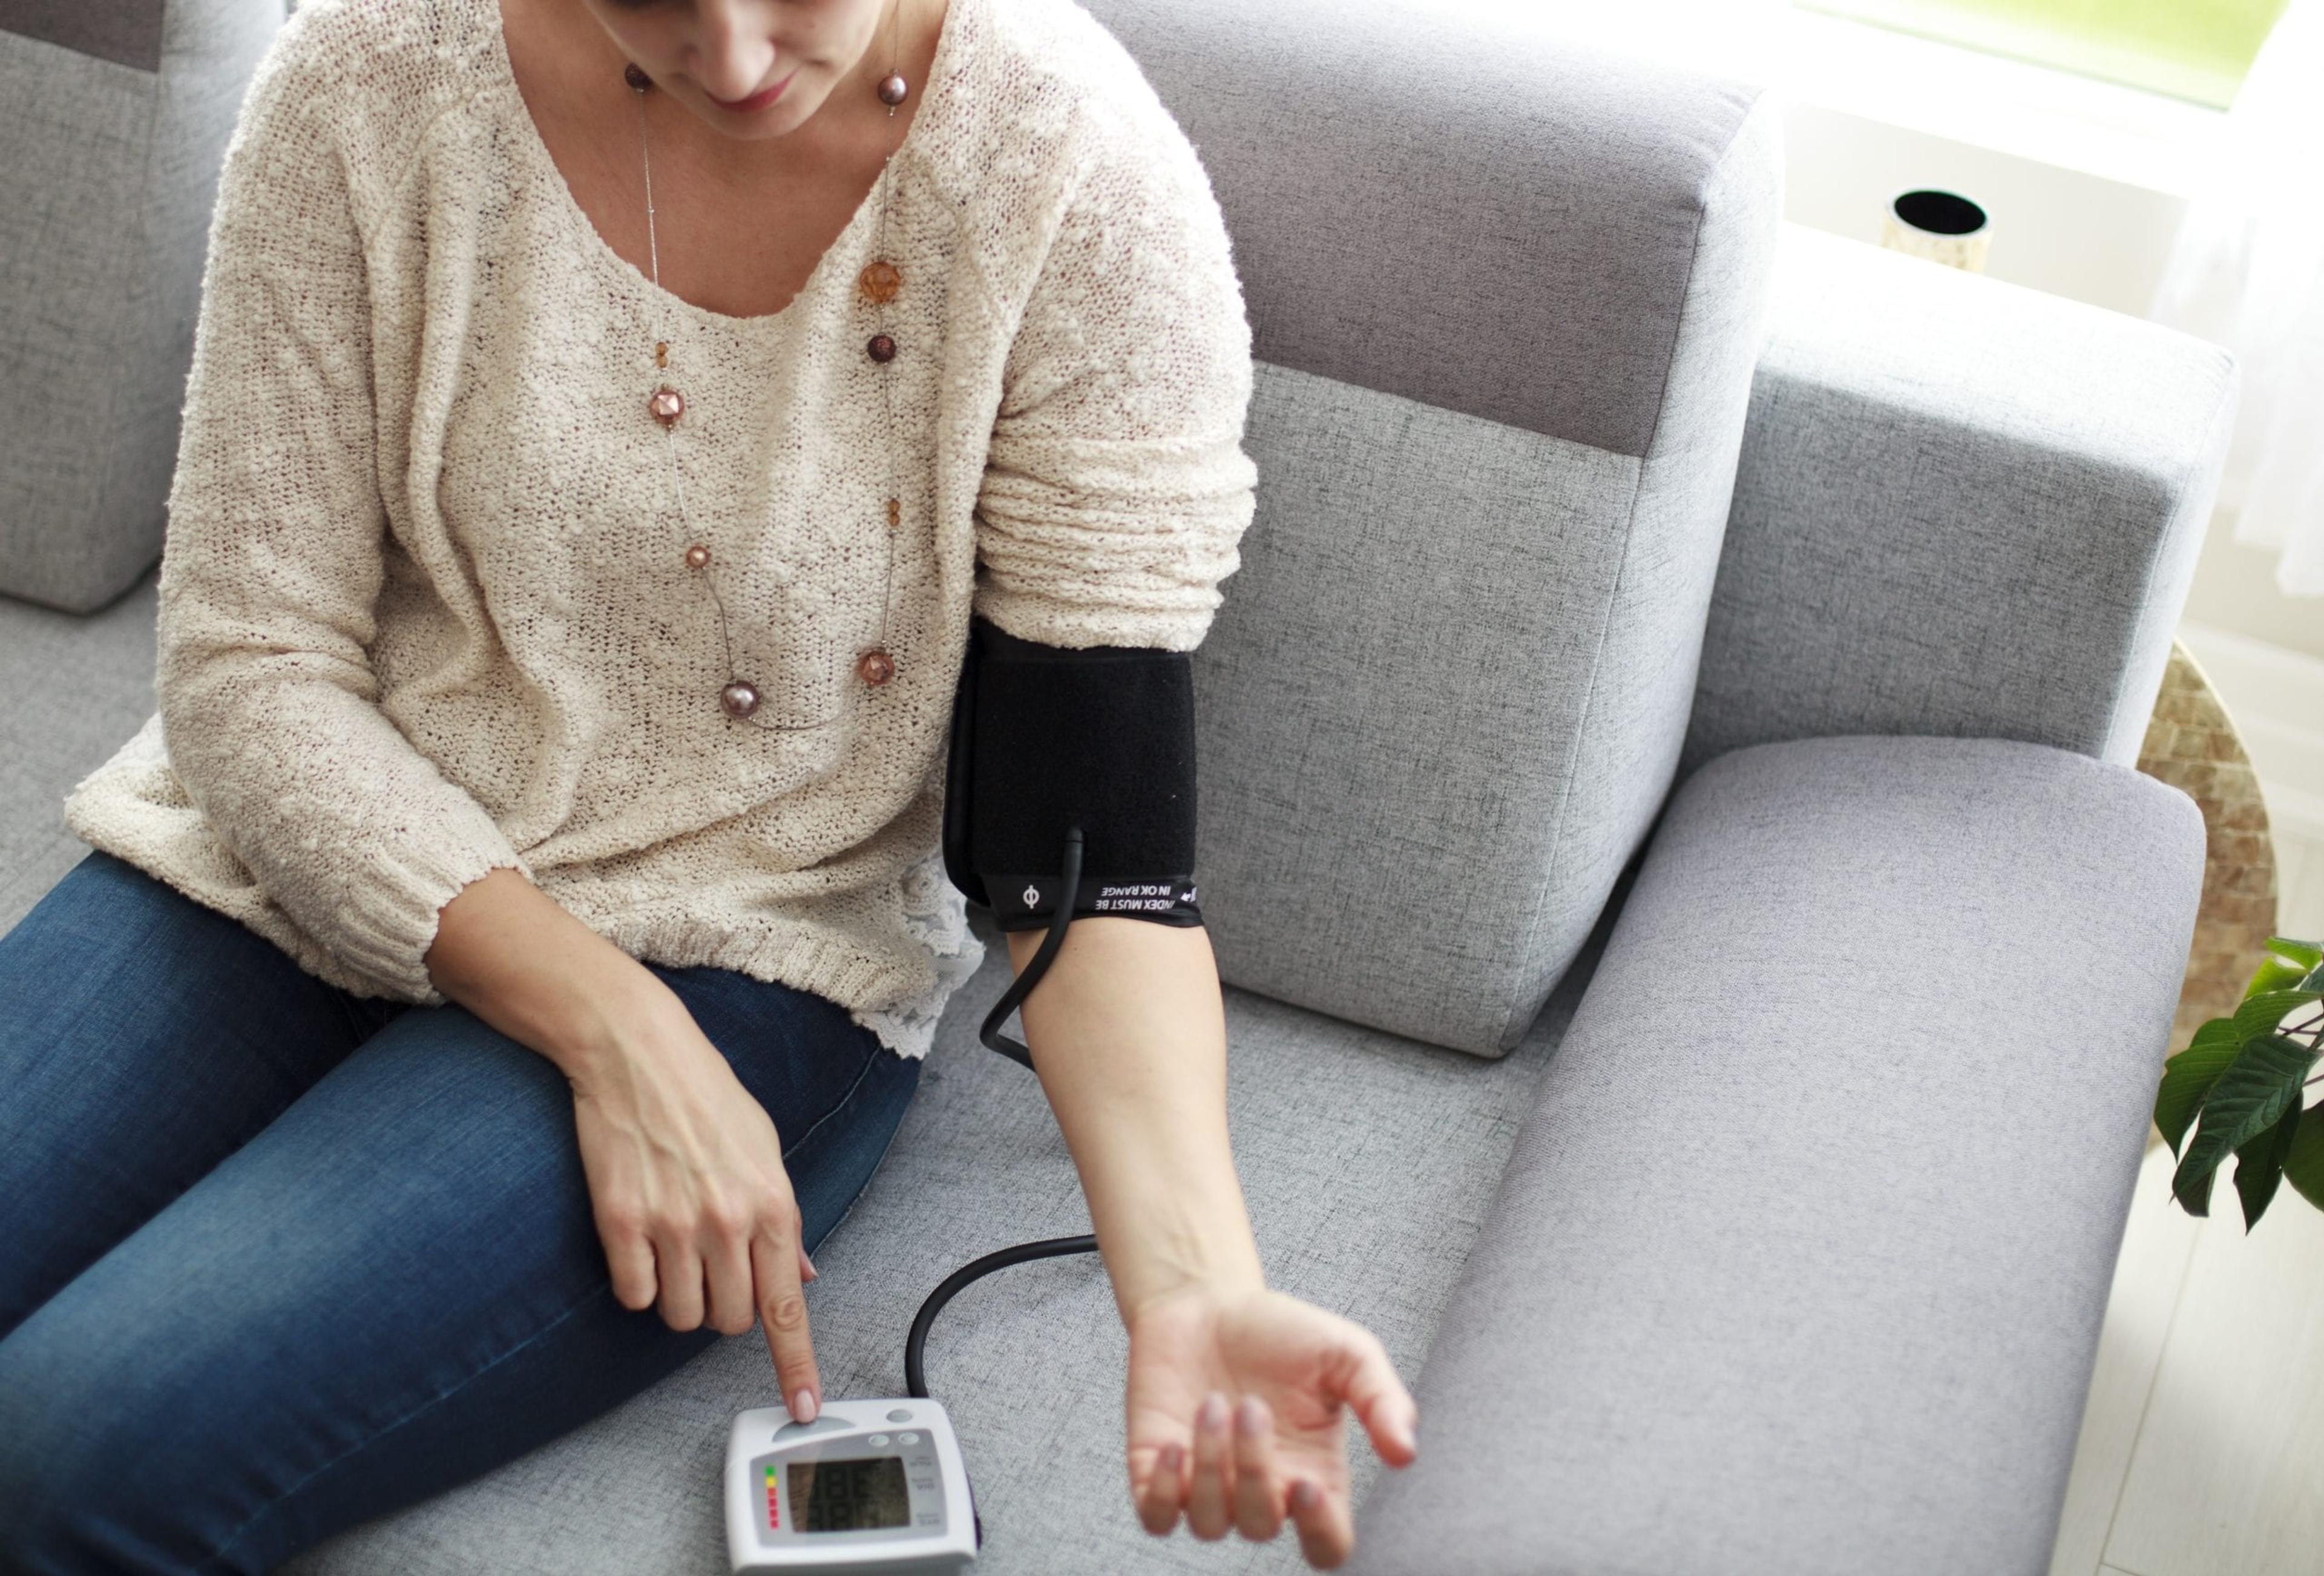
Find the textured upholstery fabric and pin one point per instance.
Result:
(1964, 508)
(107, 183)
(1368, 1161)
(1445, 696)
(126, 32)
(70, 684)
(1798, 1267)
(1427, 205)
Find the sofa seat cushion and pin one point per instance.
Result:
(76, 685)
(1368, 1161)
(1799, 1265)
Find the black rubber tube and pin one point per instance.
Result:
(1022, 986)
(916, 1383)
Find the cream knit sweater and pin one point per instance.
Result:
(424, 608)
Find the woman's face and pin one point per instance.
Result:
(710, 54)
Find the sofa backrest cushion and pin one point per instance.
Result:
(1506, 296)
(119, 115)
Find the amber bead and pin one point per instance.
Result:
(875, 666)
(696, 555)
(879, 281)
(635, 76)
(666, 405)
(661, 352)
(882, 348)
(895, 512)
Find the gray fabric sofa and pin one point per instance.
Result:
(1697, 954)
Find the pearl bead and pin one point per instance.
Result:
(666, 405)
(739, 698)
(892, 88)
(876, 667)
(697, 556)
(882, 348)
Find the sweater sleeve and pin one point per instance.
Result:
(272, 560)
(1116, 487)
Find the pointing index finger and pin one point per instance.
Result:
(782, 1310)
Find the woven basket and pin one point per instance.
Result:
(2192, 745)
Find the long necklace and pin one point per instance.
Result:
(876, 286)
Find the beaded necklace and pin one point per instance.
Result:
(876, 285)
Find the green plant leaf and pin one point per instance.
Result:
(2188, 1076)
(2249, 1097)
(2314, 982)
(2260, 1014)
(2304, 1167)
(2259, 1164)
(2275, 973)
(2308, 954)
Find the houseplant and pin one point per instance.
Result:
(2241, 1087)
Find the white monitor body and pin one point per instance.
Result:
(869, 1489)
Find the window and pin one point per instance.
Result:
(2197, 50)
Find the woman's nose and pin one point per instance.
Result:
(733, 59)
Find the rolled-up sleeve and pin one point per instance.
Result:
(272, 563)
(1117, 488)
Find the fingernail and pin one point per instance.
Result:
(802, 1406)
(1212, 1418)
(1247, 1416)
(811, 1271)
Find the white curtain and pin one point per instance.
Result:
(2247, 273)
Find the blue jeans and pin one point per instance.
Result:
(276, 1259)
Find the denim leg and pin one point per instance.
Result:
(394, 1287)
(143, 1038)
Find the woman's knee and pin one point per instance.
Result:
(82, 1487)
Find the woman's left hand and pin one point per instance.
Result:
(1238, 1404)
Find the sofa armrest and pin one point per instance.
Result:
(1963, 508)
(1799, 1263)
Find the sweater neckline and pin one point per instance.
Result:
(941, 71)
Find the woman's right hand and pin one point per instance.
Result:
(686, 1180)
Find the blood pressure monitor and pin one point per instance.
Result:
(870, 1487)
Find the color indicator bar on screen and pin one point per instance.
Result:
(774, 1513)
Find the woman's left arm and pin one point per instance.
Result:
(1236, 1392)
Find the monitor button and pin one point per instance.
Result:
(877, 1441)
(900, 1414)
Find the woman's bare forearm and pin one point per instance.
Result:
(1129, 1036)
(514, 956)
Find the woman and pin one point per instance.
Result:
(509, 948)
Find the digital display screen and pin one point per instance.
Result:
(854, 1495)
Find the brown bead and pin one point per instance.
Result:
(739, 699)
(882, 348)
(666, 405)
(875, 666)
(895, 512)
(635, 76)
(879, 281)
(661, 352)
(697, 556)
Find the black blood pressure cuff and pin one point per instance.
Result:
(1047, 738)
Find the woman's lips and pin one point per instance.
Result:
(759, 100)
